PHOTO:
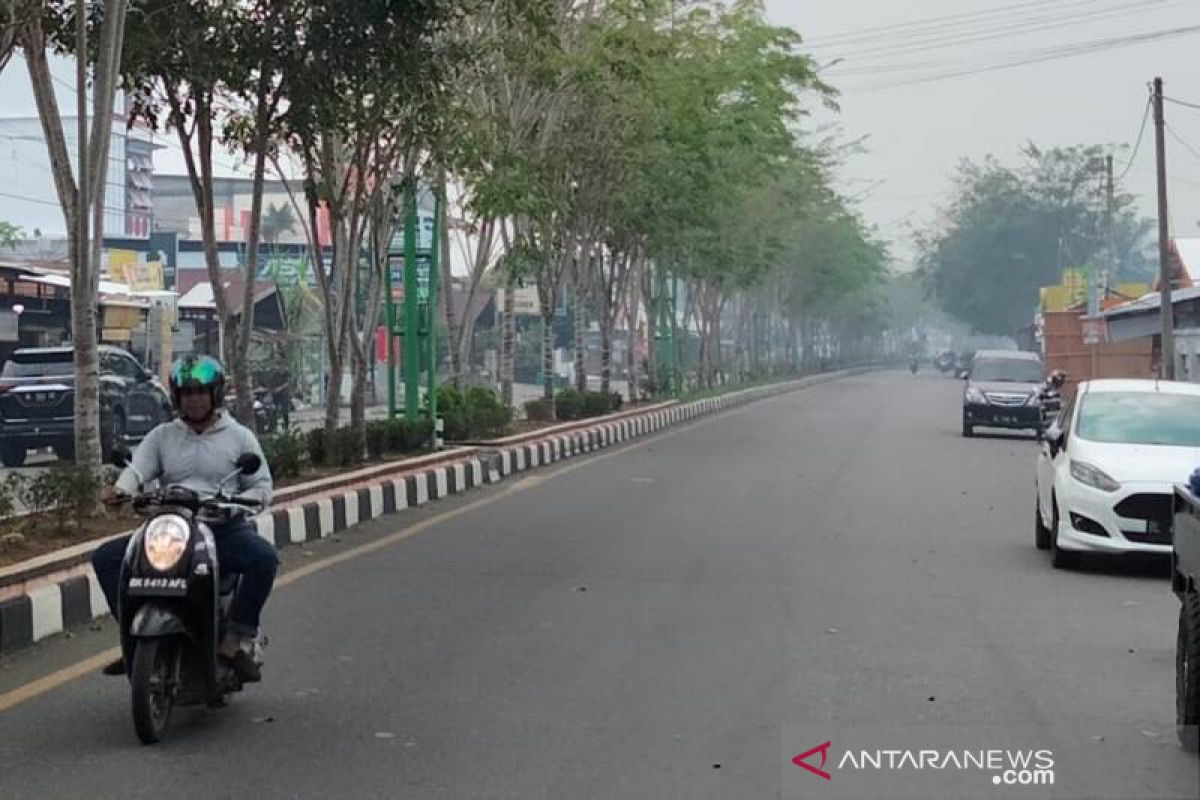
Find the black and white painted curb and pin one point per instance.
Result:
(57, 607)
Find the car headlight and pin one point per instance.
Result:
(976, 396)
(165, 541)
(1093, 476)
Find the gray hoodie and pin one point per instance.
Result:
(177, 455)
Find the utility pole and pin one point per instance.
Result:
(1167, 312)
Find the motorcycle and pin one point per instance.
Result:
(174, 601)
(266, 415)
(1050, 399)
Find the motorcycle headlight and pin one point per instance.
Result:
(1092, 476)
(165, 541)
(976, 396)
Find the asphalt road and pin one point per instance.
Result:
(675, 620)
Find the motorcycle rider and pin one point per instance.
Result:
(197, 451)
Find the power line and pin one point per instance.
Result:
(1138, 145)
(1183, 103)
(1023, 26)
(1180, 140)
(1077, 49)
(930, 23)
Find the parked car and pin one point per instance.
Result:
(37, 396)
(1185, 581)
(1003, 391)
(1108, 466)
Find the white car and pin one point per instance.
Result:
(1108, 466)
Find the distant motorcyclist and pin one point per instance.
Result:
(197, 451)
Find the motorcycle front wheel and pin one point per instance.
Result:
(153, 681)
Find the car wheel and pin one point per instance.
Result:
(1061, 559)
(1041, 534)
(968, 429)
(1187, 673)
(13, 455)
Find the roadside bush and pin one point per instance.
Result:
(540, 410)
(314, 443)
(597, 404)
(452, 409)
(486, 415)
(347, 449)
(378, 437)
(417, 435)
(64, 492)
(569, 404)
(284, 452)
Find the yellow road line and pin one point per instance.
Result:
(63, 676)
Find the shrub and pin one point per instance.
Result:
(379, 437)
(569, 404)
(486, 415)
(64, 491)
(417, 434)
(540, 410)
(347, 448)
(284, 452)
(597, 404)
(314, 442)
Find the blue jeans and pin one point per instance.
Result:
(240, 550)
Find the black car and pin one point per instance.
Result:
(1003, 391)
(37, 396)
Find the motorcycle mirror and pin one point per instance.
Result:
(249, 463)
(120, 457)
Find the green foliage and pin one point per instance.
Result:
(569, 404)
(596, 404)
(475, 414)
(64, 492)
(285, 452)
(1010, 230)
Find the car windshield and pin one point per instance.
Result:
(1141, 418)
(39, 367)
(1007, 370)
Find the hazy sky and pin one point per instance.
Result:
(918, 132)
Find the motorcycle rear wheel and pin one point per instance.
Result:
(152, 679)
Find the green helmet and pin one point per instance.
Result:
(202, 372)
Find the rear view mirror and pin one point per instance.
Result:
(249, 463)
(120, 457)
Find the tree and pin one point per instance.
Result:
(10, 234)
(213, 69)
(276, 222)
(1010, 230)
(66, 27)
(364, 93)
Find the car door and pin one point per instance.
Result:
(1048, 460)
(143, 404)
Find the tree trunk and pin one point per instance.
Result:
(547, 347)
(579, 327)
(631, 340)
(508, 343)
(240, 349)
(447, 280)
(606, 334)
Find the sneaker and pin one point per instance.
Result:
(243, 664)
(115, 668)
